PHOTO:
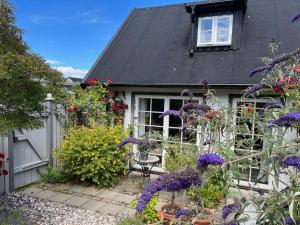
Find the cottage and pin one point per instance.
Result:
(159, 51)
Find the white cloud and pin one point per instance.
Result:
(69, 71)
(53, 62)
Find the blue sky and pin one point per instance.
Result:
(71, 34)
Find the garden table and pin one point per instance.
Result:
(147, 165)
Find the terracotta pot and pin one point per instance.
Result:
(203, 221)
(165, 215)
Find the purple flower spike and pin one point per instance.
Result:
(271, 105)
(208, 159)
(254, 89)
(184, 212)
(175, 181)
(287, 120)
(195, 106)
(291, 161)
(261, 69)
(170, 113)
(229, 209)
(296, 17)
(131, 140)
(230, 223)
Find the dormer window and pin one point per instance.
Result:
(214, 31)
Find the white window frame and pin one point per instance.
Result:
(244, 183)
(214, 41)
(165, 121)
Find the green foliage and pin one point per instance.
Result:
(179, 157)
(14, 217)
(149, 214)
(134, 220)
(208, 195)
(91, 155)
(52, 175)
(25, 78)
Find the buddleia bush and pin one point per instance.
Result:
(91, 155)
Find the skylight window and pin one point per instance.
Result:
(214, 31)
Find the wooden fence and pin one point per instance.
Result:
(28, 152)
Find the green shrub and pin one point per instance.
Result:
(134, 220)
(91, 155)
(149, 214)
(52, 176)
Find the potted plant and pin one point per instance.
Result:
(143, 153)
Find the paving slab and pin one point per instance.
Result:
(126, 212)
(108, 195)
(90, 191)
(45, 194)
(76, 189)
(111, 209)
(32, 191)
(76, 201)
(60, 197)
(93, 205)
(125, 198)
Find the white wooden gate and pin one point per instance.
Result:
(28, 152)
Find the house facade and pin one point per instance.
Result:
(160, 51)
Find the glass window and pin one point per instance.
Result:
(215, 30)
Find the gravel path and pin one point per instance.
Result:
(45, 212)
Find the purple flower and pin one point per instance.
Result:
(254, 89)
(296, 17)
(195, 106)
(131, 140)
(184, 212)
(287, 119)
(291, 161)
(289, 221)
(175, 181)
(170, 113)
(271, 105)
(261, 69)
(231, 223)
(261, 192)
(229, 209)
(205, 83)
(208, 159)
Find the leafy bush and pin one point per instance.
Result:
(91, 155)
(52, 175)
(149, 213)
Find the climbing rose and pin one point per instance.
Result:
(92, 82)
(1, 163)
(175, 181)
(287, 120)
(4, 172)
(229, 209)
(109, 80)
(296, 69)
(208, 159)
(1, 155)
(291, 161)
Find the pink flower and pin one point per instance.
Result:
(4, 172)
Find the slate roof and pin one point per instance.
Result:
(151, 47)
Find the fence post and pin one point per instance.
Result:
(49, 126)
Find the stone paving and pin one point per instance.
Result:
(114, 201)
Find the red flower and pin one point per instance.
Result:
(1, 155)
(92, 82)
(116, 107)
(4, 172)
(70, 109)
(297, 69)
(74, 107)
(249, 108)
(109, 80)
(125, 106)
(212, 114)
(1, 163)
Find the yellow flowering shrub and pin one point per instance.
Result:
(91, 155)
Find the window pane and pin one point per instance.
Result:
(144, 118)
(175, 104)
(175, 133)
(222, 35)
(156, 120)
(158, 105)
(223, 23)
(144, 104)
(143, 131)
(206, 24)
(205, 36)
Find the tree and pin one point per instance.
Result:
(25, 77)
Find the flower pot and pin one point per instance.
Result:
(164, 208)
(203, 221)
